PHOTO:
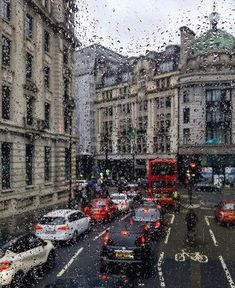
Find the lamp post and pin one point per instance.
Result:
(70, 107)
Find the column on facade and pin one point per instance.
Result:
(98, 130)
(150, 128)
(134, 123)
(115, 129)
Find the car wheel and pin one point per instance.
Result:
(18, 280)
(74, 237)
(50, 260)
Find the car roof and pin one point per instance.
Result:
(228, 201)
(60, 213)
(126, 225)
(118, 194)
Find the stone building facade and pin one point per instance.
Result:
(136, 112)
(37, 127)
(206, 101)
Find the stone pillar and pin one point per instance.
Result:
(150, 128)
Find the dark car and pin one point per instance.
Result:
(85, 281)
(151, 218)
(203, 187)
(126, 246)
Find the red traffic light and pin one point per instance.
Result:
(192, 165)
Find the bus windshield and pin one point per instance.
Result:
(163, 169)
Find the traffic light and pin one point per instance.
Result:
(192, 169)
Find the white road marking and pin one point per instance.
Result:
(167, 235)
(213, 238)
(207, 221)
(227, 273)
(99, 235)
(124, 217)
(70, 262)
(172, 218)
(159, 268)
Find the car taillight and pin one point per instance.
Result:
(106, 239)
(159, 207)
(123, 203)
(142, 240)
(157, 224)
(64, 228)
(221, 214)
(146, 227)
(5, 265)
(38, 227)
(105, 277)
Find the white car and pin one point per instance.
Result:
(20, 255)
(62, 225)
(81, 183)
(122, 200)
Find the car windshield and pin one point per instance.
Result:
(146, 214)
(99, 204)
(229, 206)
(118, 197)
(162, 184)
(52, 220)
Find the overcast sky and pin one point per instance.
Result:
(131, 27)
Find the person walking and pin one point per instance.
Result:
(191, 220)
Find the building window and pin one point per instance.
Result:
(47, 115)
(168, 102)
(6, 165)
(46, 41)
(6, 51)
(186, 96)
(145, 105)
(47, 164)
(66, 55)
(6, 9)
(67, 163)
(67, 120)
(218, 116)
(28, 26)
(6, 96)
(47, 77)
(186, 136)
(162, 102)
(29, 110)
(186, 115)
(29, 163)
(29, 66)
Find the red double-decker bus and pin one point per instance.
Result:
(162, 180)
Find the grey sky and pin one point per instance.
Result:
(134, 26)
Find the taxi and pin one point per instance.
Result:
(225, 212)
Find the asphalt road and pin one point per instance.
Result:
(171, 268)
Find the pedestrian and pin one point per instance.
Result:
(176, 204)
(191, 220)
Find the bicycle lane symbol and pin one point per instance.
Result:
(195, 256)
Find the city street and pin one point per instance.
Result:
(210, 262)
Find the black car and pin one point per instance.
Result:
(151, 218)
(126, 246)
(85, 281)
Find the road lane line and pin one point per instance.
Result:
(207, 221)
(213, 238)
(227, 273)
(159, 268)
(99, 235)
(167, 235)
(172, 218)
(70, 262)
(124, 217)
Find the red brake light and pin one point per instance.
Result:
(131, 221)
(38, 227)
(5, 265)
(157, 224)
(125, 233)
(142, 240)
(64, 228)
(159, 206)
(146, 227)
(105, 277)
(106, 238)
(123, 202)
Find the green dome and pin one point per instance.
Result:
(214, 40)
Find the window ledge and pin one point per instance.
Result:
(7, 191)
(29, 186)
(48, 184)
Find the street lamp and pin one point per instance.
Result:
(70, 107)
